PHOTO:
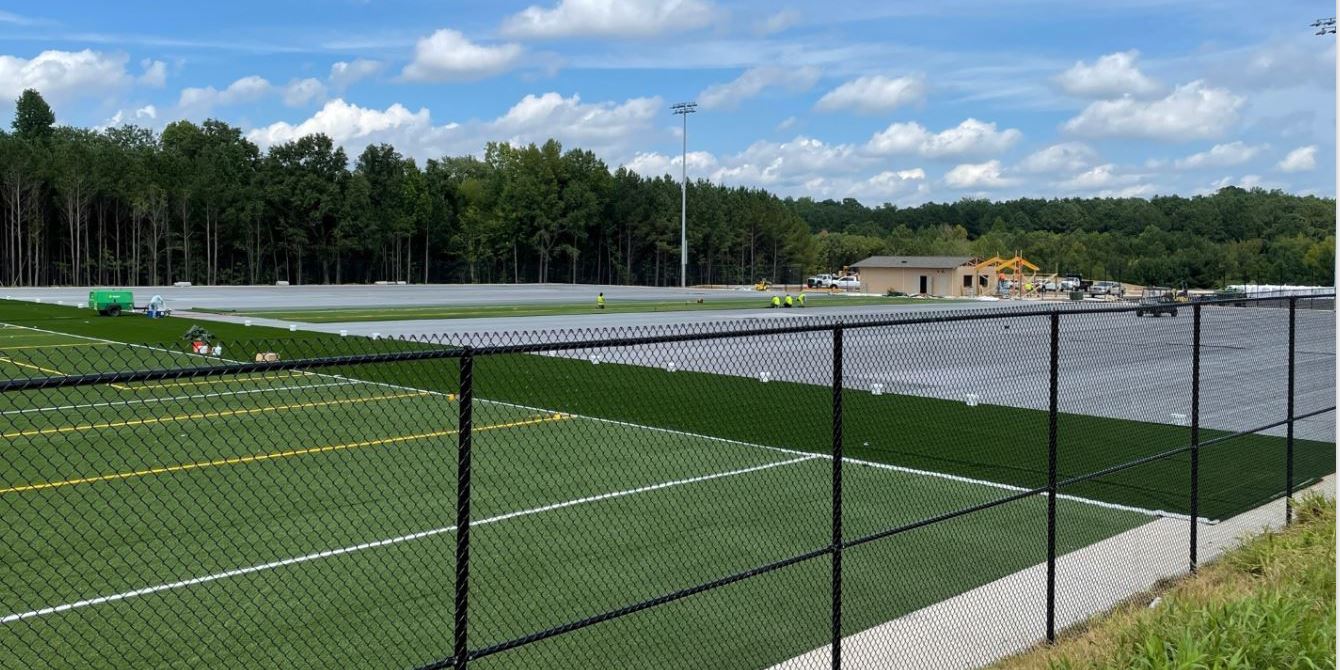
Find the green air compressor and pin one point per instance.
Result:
(111, 303)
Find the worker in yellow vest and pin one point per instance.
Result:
(800, 300)
(789, 302)
(776, 301)
(600, 300)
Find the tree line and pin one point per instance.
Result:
(202, 203)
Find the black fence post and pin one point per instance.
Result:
(1051, 479)
(1195, 431)
(836, 632)
(461, 647)
(1288, 441)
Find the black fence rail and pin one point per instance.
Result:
(706, 496)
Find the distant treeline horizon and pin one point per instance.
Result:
(201, 203)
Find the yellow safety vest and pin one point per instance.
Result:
(776, 302)
(789, 301)
(600, 300)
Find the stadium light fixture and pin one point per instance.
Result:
(684, 109)
(1325, 26)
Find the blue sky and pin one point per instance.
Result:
(880, 101)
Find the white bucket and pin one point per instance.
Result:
(292, 328)
(971, 399)
(218, 350)
(876, 389)
(344, 333)
(764, 376)
(594, 358)
(671, 366)
(247, 322)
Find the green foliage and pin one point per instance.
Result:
(33, 117)
(202, 203)
(1267, 604)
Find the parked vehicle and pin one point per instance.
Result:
(1071, 283)
(1107, 288)
(1157, 301)
(819, 281)
(847, 283)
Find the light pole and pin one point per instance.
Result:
(1325, 26)
(684, 109)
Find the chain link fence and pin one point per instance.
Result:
(935, 489)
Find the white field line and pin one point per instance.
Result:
(855, 461)
(229, 360)
(873, 464)
(144, 401)
(329, 553)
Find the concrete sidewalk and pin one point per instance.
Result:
(1007, 616)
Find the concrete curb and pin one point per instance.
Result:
(1005, 617)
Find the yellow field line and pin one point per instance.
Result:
(50, 371)
(149, 386)
(256, 458)
(4, 347)
(148, 421)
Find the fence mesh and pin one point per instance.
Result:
(713, 496)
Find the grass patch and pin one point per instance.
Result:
(349, 314)
(1267, 604)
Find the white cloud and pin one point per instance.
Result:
(1301, 159)
(778, 22)
(753, 81)
(447, 55)
(1098, 177)
(155, 73)
(888, 184)
(1191, 111)
(1220, 155)
(1063, 157)
(610, 18)
(1247, 181)
(345, 74)
(802, 166)
(657, 165)
(969, 138)
(788, 123)
(145, 113)
(64, 75)
(300, 92)
(981, 176)
(600, 126)
(608, 128)
(1111, 76)
(201, 100)
(354, 127)
(874, 94)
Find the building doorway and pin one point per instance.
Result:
(924, 282)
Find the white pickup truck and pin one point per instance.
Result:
(820, 281)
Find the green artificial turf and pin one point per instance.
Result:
(343, 314)
(392, 605)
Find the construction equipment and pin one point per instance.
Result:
(762, 285)
(1012, 270)
(111, 303)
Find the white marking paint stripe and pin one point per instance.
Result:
(149, 590)
(874, 464)
(211, 358)
(143, 401)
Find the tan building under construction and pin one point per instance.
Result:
(942, 276)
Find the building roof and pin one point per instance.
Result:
(924, 262)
